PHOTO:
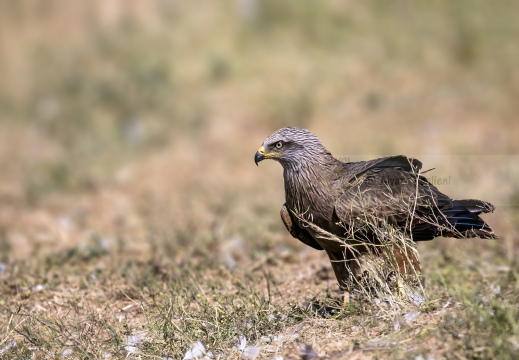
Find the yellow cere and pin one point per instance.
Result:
(261, 150)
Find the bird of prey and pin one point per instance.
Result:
(343, 207)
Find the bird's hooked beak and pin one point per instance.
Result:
(260, 155)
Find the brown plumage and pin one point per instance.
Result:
(346, 208)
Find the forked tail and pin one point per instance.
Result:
(463, 219)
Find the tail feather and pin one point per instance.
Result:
(463, 219)
(476, 206)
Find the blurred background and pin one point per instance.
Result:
(132, 124)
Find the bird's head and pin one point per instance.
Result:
(290, 146)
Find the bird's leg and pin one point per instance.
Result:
(407, 261)
(345, 297)
(339, 266)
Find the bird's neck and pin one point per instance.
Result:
(308, 183)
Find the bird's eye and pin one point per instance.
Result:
(279, 145)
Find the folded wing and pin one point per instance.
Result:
(390, 191)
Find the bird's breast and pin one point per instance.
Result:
(311, 199)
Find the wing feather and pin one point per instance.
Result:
(297, 232)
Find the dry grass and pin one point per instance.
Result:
(133, 221)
